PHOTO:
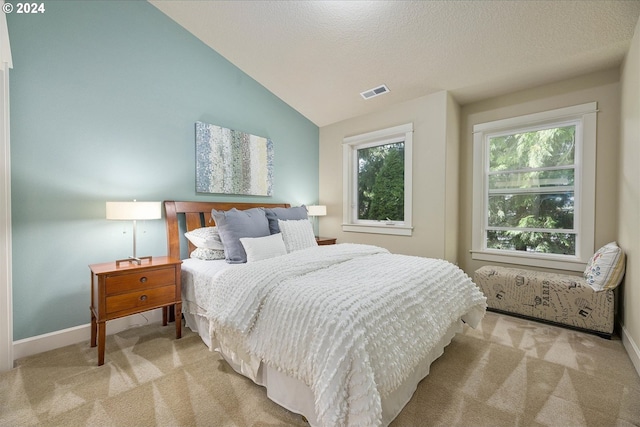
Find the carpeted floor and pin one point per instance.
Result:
(509, 372)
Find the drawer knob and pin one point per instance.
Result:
(143, 298)
(143, 279)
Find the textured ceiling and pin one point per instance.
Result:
(317, 56)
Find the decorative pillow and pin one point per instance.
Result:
(205, 237)
(234, 224)
(605, 269)
(297, 234)
(258, 248)
(207, 254)
(285, 214)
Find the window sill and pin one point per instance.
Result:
(537, 260)
(397, 230)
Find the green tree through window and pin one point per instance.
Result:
(381, 182)
(534, 180)
(531, 191)
(377, 180)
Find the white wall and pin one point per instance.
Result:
(435, 166)
(629, 204)
(452, 180)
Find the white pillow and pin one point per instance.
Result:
(205, 237)
(258, 248)
(207, 254)
(297, 234)
(605, 269)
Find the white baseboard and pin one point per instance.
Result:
(64, 337)
(632, 349)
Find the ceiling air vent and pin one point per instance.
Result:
(374, 92)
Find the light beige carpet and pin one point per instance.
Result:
(509, 372)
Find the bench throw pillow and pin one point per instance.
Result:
(605, 269)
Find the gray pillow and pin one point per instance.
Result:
(284, 214)
(234, 224)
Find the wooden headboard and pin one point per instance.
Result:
(186, 216)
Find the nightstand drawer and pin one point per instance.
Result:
(140, 300)
(141, 280)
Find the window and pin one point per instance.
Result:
(534, 183)
(377, 181)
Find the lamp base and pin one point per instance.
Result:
(137, 260)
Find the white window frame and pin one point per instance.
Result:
(351, 144)
(585, 118)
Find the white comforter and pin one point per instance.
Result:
(350, 321)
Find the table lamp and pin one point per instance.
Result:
(316, 210)
(133, 211)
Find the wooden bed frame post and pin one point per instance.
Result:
(173, 237)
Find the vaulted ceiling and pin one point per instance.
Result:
(317, 56)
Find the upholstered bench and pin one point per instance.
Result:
(581, 302)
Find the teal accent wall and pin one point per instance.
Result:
(104, 100)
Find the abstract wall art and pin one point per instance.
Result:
(232, 162)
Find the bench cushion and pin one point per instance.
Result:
(558, 298)
(605, 269)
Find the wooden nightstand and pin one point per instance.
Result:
(118, 291)
(326, 240)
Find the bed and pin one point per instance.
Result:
(341, 334)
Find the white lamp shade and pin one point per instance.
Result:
(134, 210)
(317, 210)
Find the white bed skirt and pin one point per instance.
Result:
(296, 396)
